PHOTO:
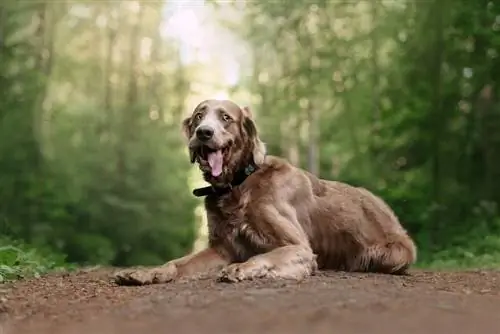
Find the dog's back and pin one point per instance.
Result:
(349, 228)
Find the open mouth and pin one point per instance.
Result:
(214, 158)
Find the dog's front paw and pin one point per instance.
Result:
(243, 271)
(162, 274)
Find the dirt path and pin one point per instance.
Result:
(425, 302)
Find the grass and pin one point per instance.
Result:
(18, 261)
(481, 261)
(479, 249)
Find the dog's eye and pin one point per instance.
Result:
(226, 118)
(198, 117)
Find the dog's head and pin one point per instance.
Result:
(222, 138)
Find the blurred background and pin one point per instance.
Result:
(397, 96)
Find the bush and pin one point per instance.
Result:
(18, 260)
(477, 246)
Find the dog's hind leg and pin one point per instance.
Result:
(393, 257)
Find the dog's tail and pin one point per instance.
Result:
(394, 257)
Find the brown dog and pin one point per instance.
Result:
(267, 218)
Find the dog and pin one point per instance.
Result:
(270, 219)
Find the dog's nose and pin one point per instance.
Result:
(204, 133)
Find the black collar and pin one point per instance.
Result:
(239, 177)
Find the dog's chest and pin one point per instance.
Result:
(233, 227)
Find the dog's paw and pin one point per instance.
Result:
(157, 275)
(242, 271)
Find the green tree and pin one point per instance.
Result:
(93, 163)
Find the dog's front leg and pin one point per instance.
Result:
(289, 254)
(294, 262)
(196, 263)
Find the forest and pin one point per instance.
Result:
(401, 97)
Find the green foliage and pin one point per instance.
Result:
(92, 164)
(474, 244)
(20, 261)
(399, 97)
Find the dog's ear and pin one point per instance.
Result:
(186, 131)
(247, 112)
(186, 127)
(258, 147)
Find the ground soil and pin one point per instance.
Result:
(333, 302)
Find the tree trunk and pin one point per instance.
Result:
(437, 132)
(155, 83)
(129, 115)
(313, 133)
(488, 129)
(375, 114)
(45, 41)
(48, 59)
(290, 144)
(437, 117)
(133, 60)
(3, 23)
(108, 71)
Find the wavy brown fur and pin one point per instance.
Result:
(282, 222)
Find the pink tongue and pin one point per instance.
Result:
(215, 162)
